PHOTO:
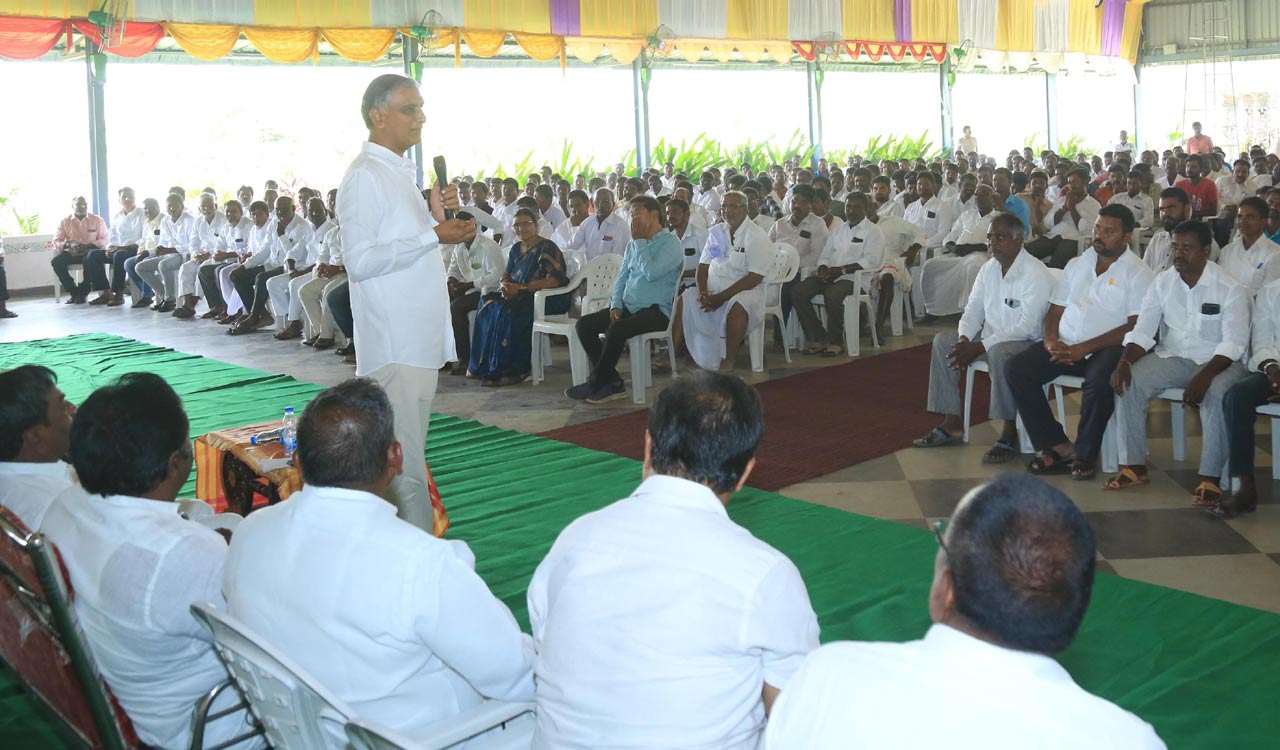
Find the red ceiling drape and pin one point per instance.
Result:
(30, 38)
(139, 38)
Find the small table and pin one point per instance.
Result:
(230, 476)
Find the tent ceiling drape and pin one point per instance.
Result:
(996, 33)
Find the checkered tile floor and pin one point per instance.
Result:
(1148, 533)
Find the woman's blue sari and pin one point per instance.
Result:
(501, 346)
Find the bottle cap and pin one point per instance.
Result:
(253, 440)
(288, 410)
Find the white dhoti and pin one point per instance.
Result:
(295, 299)
(946, 281)
(704, 331)
(229, 293)
(187, 281)
(312, 296)
(278, 291)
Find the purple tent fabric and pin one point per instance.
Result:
(1112, 27)
(566, 17)
(902, 19)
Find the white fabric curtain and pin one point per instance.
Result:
(978, 22)
(815, 19)
(386, 13)
(1052, 20)
(703, 19)
(228, 12)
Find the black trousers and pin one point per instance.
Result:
(208, 278)
(459, 307)
(118, 275)
(4, 285)
(252, 288)
(1029, 371)
(1054, 251)
(95, 268)
(604, 358)
(339, 302)
(1239, 407)
(95, 281)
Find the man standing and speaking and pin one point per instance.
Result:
(399, 297)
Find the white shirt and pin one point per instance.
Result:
(692, 243)
(890, 208)
(150, 235)
(1007, 306)
(949, 690)
(1159, 253)
(331, 247)
(862, 244)
(765, 221)
(399, 299)
(137, 567)
(899, 235)
(293, 244)
(481, 264)
(808, 238)
(208, 234)
(1141, 205)
(968, 144)
(1230, 192)
(554, 216)
(1097, 304)
(971, 228)
(1186, 328)
(1069, 229)
(389, 618)
(318, 233)
(235, 239)
(1264, 343)
(260, 245)
(564, 233)
(728, 260)
(1256, 266)
(710, 201)
(178, 234)
(657, 622)
(27, 489)
(127, 228)
(595, 237)
(934, 217)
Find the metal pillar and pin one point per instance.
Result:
(95, 75)
(1051, 109)
(413, 69)
(1138, 129)
(813, 77)
(944, 101)
(640, 75)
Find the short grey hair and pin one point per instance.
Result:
(375, 97)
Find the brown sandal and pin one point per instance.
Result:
(1125, 479)
(1206, 495)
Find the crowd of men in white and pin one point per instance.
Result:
(663, 645)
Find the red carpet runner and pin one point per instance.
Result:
(816, 422)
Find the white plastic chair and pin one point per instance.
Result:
(1110, 453)
(77, 275)
(573, 261)
(641, 369)
(853, 305)
(786, 263)
(900, 311)
(1273, 411)
(598, 277)
(981, 365)
(368, 735)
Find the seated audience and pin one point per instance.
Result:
(602, 232)
(1003, 314)
(143, 295)
(329, 275)
(856, 245)
(390, 619)
(283, 290)
(501, 352)
(1012, 579)
(1136, 199)
(807, 233)
(659, 622)
(35, 435)
(946, 279)
(579, 211)
(211, 226)
(123, 239)
(692, 239)
(1091, 310)
(1251, 259)
(1175, 208)
(1069, 220)
(475, 274)
(229, 247)
(280, 254)
(1201, 315)
(728, 302)
(1201, 190)
(137, 566)
(642, 301)
(77, 235)
(259, 241)
(160, 268)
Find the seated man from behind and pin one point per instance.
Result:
(1201, 314)
(137, 566)
(390, 619)
(35, 434)
(642, 300)
(1012, 579)
(1003, 315)
(658, 621)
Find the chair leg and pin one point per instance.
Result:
(906, 310)
(755, 343)
(853, 325)
(671, 352)
(639, 369)
(871, 316)
(786, 344)
(536, 354)
(1179, 431)
(1275, 447)
(1024, 439)
(1062, 403)
(895, 313)
(968, 400)
(1110, 449)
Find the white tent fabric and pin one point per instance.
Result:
(1052, 23)
(409, 12)
(816, 19)
(698, 19)
(978, 22)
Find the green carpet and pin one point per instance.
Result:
(1206, 673)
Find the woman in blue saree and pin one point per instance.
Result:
(501, 347)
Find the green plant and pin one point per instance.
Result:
(1072, 146)
(567, 166)
(1176, 136)
(892, 146)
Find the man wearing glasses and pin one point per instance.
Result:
(1011, 582)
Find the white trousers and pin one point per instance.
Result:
(229, 293)
(411, 390)
(312, 295)
(946, 282)
(188, 282)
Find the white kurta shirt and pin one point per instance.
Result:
(1096, 304)
(949, 690)
(710, 201)
(389, 618)
(750, 251)
(127, 228)
(1256, 266)
(150, 236)
(293, 244)
(208, 234)
(971, 228)
(1068, 229)
(1007, 306)
(595, 237)
(1230, 192)
(1264, 342)
(1199, 323)
(235, 239)
(481, 264)
(260, 245)
(137, 567)
(331, 247)
(178, 234)
(934, 218)
(808, 238)
(1141, 205)
(27, 489)
(862, 244)
(657, 622)
(692, 243)
(399, 298)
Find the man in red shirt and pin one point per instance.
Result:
(1199, 143)
(1201, 190)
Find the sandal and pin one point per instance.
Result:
(1049, 462)
(1207, 495)
(1000, 453)
(1083, 470)
(832, 350)
(937, 438)
(1125, 479)
(814, 349)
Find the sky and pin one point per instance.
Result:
(224, 125)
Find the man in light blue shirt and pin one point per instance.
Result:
(642, 299)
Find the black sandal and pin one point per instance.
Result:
(1055, 464)
(1000, 453)
(1083, 470)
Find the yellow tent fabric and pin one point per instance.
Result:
(527, 16)
(586, 50)
(361, 45)
(540, 46)
(284, 45)
(935, 21)
(758, 19)
(1084, 27)
(312, 13)
(618, 18)
(484, 43)
(1016, 27)
(625, 51)
(868, 20)
(204, 42)
(1132, 30)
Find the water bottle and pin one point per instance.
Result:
(289, 431)
(270, 436)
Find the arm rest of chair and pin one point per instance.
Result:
(470, 723)
(540, 296)
(807, 271)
